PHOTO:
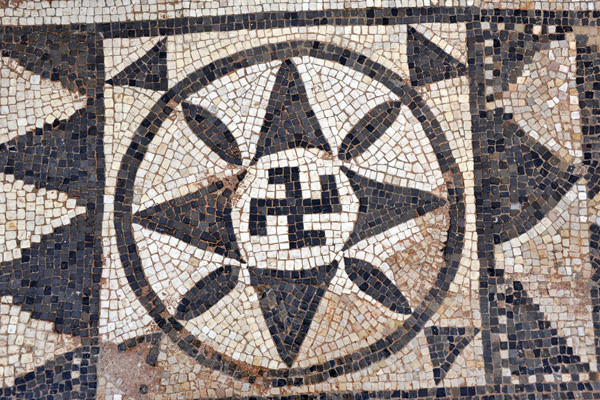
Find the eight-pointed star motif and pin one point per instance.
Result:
(289, 297)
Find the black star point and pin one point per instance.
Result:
(289, 122)
(289, 300)
(428, 63)
(383, 206)
(202, 218)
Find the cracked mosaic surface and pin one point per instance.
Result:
(298, 200)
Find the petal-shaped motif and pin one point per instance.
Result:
(374, 283)
(212, 131)
(339, 105)
(369, 129)
(402, 155)
(207, 292)
(240, 101)
(188, 163)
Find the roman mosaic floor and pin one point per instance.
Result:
(286, 199)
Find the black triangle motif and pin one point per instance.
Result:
(428, 63)
(535, 182)
(517, 49)
(52, 52)
(213, 132)
(383, 206)
(289, 300)
(57, 156)
(53, 278)
(59, 375)
(445, 344)
(202, 218)
(148, 72)
(289, 122)
(538, 348)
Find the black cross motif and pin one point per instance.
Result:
(295, 207)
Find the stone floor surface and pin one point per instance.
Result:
(250, 199)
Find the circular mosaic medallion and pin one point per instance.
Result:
(282, 229)
(296, 209)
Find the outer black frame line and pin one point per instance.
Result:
(347, 17)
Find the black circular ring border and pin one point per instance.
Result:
(384, 347)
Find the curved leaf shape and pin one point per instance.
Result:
(374, 283)
(369, 129)
(207, 292)
(212, 131)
